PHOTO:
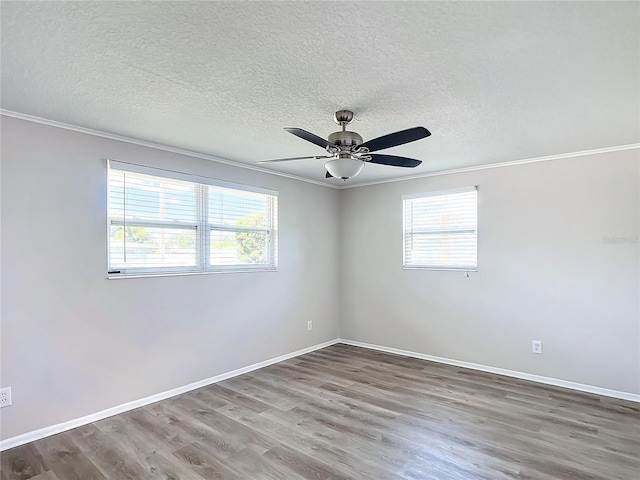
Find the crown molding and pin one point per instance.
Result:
(158, 146)
(512, 163)
(191, 153)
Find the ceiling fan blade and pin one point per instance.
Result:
(295, 158)
(328, 175)
(397, 138)
(310, 137)
(394, 160)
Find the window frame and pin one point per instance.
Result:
(439, 193)
(201, 225)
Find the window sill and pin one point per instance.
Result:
(119, 276)
(442, 269)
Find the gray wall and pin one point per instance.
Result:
(544, 272)
(75, 343)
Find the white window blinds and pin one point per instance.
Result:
(161, 222)
(440, 230)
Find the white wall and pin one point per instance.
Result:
(544, 272)
(75, 343)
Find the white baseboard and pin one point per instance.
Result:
(94, 417)
(501, 371)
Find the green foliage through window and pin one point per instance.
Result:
(134, 234)
(252, 245)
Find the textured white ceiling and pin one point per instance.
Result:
(492, 81)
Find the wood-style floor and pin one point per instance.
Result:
(349, 413)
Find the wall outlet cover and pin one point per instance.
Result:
(536, 346)
(5, 397)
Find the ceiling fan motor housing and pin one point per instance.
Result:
(345, 138)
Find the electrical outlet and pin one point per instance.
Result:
(309, 326)
(5, 397)
(536, 346)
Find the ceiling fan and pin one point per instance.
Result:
(347, 153)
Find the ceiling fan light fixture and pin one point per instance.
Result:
(344, 168)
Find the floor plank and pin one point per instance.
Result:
(345, 412)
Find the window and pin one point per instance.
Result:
(440, 230)
(162, 222)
